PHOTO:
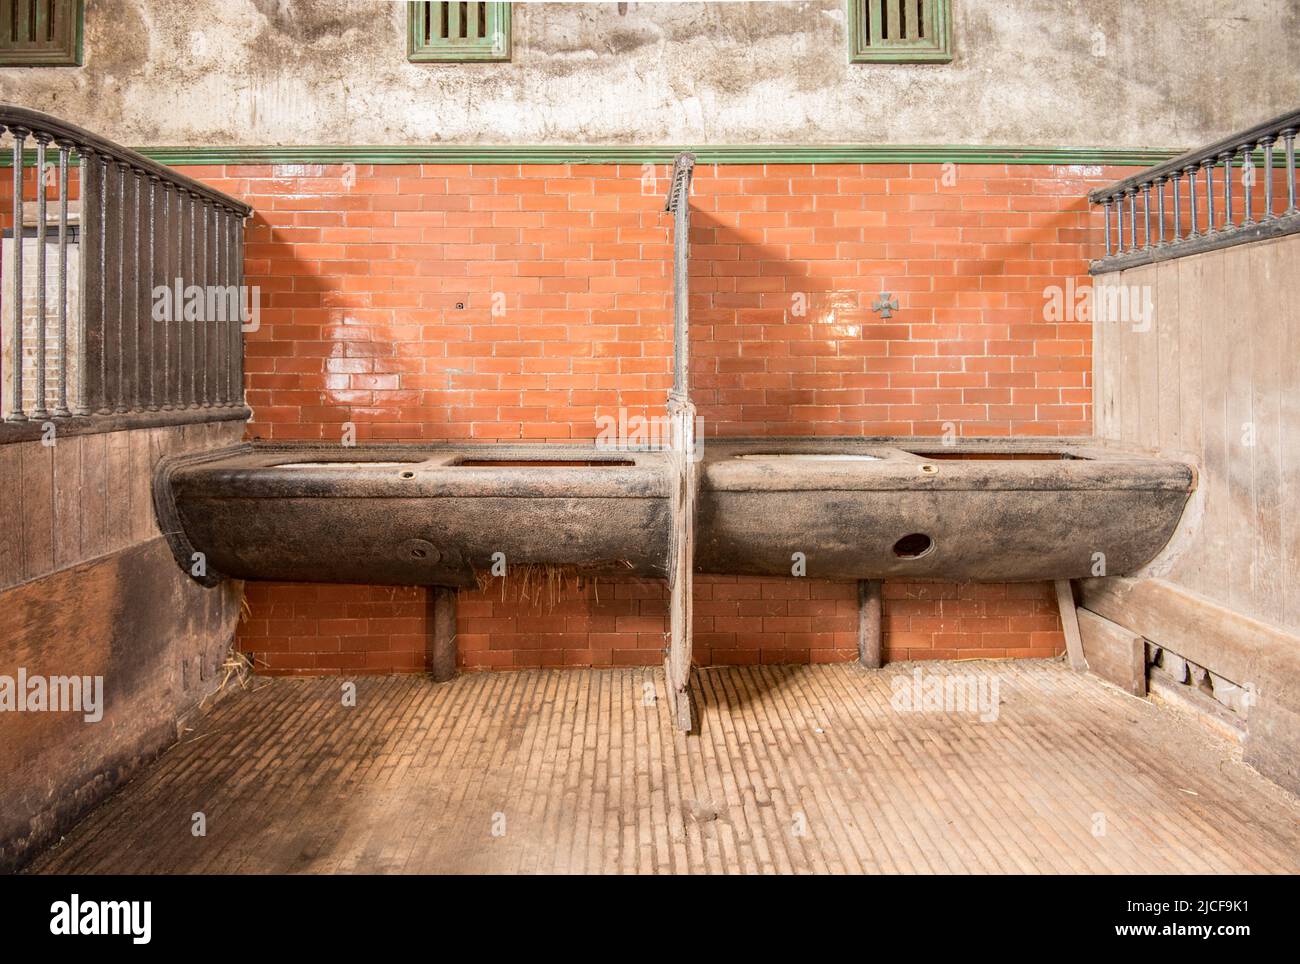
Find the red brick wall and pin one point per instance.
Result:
(378, 293)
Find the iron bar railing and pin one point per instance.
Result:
(678, 204)
(1243, 216)
(138, 306)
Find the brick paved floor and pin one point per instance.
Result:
(795, 768)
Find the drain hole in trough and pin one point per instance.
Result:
(913, 546)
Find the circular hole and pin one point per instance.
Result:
(929, 469)
(913, 546)
(408, 474)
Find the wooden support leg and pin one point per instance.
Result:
(441, 652)
(1070, 623)
(870, 651)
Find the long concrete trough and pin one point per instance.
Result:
(839, 508)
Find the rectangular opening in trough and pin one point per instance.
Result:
(807, 457)
(328, 464)
(997, 456)
(543, 463)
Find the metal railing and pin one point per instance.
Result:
(134, 309)
(678, 204)
(1159, 213)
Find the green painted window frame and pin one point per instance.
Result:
(60, 47)
(868, 46)
(425, 47)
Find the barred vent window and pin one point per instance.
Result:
(458, 32)
(40, 33)
(900, 31)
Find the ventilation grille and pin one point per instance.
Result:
(900, 30)
(451, 32)
(40, 33)
(894, 20)
(458, 21)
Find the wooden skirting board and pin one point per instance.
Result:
(1249, 653)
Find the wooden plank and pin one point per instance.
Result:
(118, 490)
(441, 655)
(1144, 297)
(1189, 357)
(1114, 653)
(1129, 401)
(67, 501)
(1103, 369)
(1070, 624)
(11, 541)
(1268, 344)
(142, 518)
(38, 509)
(1239, 315)
(1212, 550)
(1168, 321)
(1244, 650)
(681, 569)
(1287, 254)
(94, 496)
(870, 650)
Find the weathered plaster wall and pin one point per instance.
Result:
(1160, 73)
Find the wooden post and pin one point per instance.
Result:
(870, 649)
(1070, 623)
(681, 566)
(441, 649)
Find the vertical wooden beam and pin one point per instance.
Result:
(441, 652)
(1070, 624)
(681, 567)
(870, 635)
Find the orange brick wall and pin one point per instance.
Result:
(522, 302)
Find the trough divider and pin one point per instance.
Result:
(683, 461)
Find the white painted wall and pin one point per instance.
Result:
(1155, 73)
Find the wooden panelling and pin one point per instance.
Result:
(67, 502)
(38, 508)
(117, 468)
(86, 495)
(1217, 380)
(11, 533)
(94, 495)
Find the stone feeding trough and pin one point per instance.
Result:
(855, 509)
(851, 509)
(414, 515)
(1000, 511)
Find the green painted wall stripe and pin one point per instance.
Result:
(642, 154)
